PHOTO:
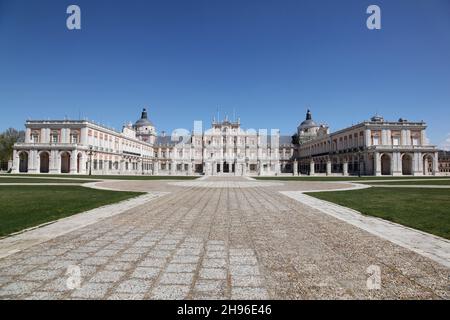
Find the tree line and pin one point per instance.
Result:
(7, 140)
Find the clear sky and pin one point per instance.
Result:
(268, 60)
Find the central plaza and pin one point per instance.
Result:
(223, 238)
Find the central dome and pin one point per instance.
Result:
(309, 122)
(143, 121)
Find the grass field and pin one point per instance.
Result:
(342, 178)
(39, 180)
(423, 209)
(23, 207)
(97, 177)
(434, 182)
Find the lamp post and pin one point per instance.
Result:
(359, 163)
(90, 160)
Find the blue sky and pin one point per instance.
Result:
(268, 60)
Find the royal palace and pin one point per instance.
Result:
(373, 147)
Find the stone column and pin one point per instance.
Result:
(58, 162)
(383, 137)
(121, 166)
(53, 162)
(396, 164)
(367, 137)
(28, 135)
(435, 164)
(423, 138)
(377, 164)
(312, 170)
(389, 137)
(173, 168)
(295, 169)
(16, 161)
(345, 168)
(417, 164)
(155, 168)
(214, 168)
(425, 166)
(83, 161)
(403, 137)
(328, 167)
(32, 161)
(277, 167)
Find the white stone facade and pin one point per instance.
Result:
(83, 147)
(374, 147)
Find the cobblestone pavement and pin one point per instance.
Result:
(220, 243)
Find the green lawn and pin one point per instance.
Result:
(23, 207)
(39, 180)
(118, 177)
(435, 182)
(347, 178)
(424, 209)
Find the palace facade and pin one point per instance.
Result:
(375, 147)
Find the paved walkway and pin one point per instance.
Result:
(220, 243)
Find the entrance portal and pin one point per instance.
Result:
(23, 162)
(385, 165)
(45, 162)
(407, 165)
(65, 162)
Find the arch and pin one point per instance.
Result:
(386, 165)
(406, 164)
(23, 162)
(336, 165)
(428, 164)
(44, 160)
(65, 162)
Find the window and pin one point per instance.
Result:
(35, 138)
(74, 138)
(415, 141)
(55, 138)
(375, 140)
(395, 141)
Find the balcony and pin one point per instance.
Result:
(31, 145)
(402, 148)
